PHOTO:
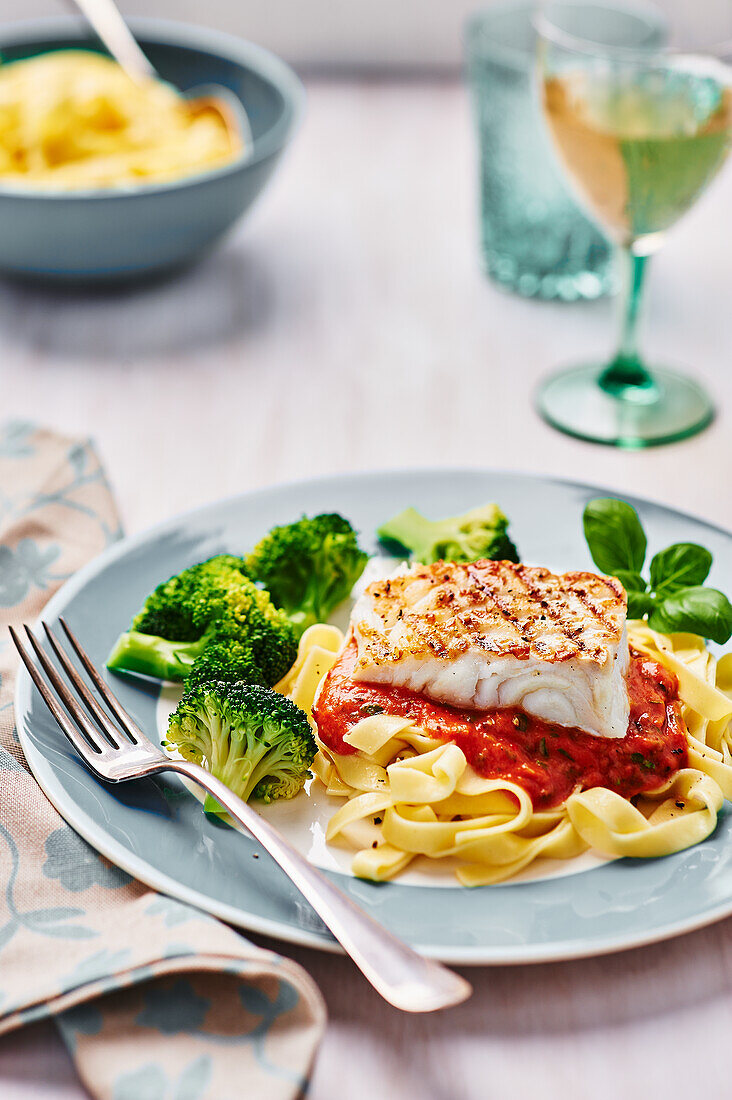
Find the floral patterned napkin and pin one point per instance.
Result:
(154, 1000)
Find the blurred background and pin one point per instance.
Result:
(363, 266)
(342, 34)
(336, 33)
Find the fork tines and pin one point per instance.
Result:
(93, 734)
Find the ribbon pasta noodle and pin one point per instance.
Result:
(73, 119)
(408, 795)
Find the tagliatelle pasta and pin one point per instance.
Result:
(318, 649)
(409, 795)
(74, 119)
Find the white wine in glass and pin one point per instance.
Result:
(640, 133)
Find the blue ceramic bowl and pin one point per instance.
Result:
(150, 229)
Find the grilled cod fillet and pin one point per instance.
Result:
(493, 634)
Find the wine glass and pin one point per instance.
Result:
(640, 133)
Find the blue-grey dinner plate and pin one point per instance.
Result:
(155, 829)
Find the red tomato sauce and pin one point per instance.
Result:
(549, 761)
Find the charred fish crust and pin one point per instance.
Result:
(613, 593)
(574, 635)
(487, 630)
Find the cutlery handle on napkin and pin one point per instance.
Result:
(403, 977)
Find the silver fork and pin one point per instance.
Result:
(119, 752)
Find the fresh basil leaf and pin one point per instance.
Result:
(631, 582)
(639, 603)
(614, 535)
(683, 565)
(639, 599)
(696, 610)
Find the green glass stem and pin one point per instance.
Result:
(625, 376)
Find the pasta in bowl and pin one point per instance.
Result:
(74, 119)
(114, 205)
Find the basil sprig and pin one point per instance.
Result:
(674, 598)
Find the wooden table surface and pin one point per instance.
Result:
(347, 326)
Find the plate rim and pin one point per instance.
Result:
(145, 872)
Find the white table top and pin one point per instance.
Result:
(347, 326)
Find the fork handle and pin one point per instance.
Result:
(108, 22)
(403, 978)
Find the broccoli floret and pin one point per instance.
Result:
(480, 533)
(254, 740)
(178, 607)
(308, 567)
(209, 621)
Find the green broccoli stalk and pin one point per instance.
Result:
(480, 533)
(151, 655)
(308, 567)
(208, 622)
(255, 741)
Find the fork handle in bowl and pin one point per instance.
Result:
(106, 19)
(403, 977)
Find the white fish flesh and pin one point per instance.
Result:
(491, 634)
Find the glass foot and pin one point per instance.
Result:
(574, 402)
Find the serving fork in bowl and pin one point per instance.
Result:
(109, 24)
(116, 750)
